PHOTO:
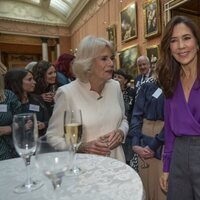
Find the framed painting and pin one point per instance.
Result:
(153, 55)
(127, 60)
(111, 30)
(128, 19)
(152, 25)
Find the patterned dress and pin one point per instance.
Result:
(8, 108)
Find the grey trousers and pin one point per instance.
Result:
(184, 175)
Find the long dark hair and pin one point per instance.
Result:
(14, 81)
(168, 68)
(39, 71)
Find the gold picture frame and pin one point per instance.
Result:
(152, 26)
(128, 19)
(153, 55)
(111, 30)
(127, 59)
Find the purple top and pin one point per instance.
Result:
(181, 118)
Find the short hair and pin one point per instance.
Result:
(30, 65)
(123, 73)
(143, 57)
(89, 48)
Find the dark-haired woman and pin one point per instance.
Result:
(21, 82)
(44, 74)
(179, 75)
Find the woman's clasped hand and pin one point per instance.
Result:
(104, 144)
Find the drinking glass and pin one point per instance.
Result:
(25, 134)
(53, 161)
(53, 89)
(73, 132)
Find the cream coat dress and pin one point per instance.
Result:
(100, 115)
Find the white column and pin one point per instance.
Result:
(57, 48)
(44, 48)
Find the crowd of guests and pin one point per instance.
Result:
(156, 119)
(25, 90)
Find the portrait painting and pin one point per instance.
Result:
(111, 30)
(127, 60)
(153, 55)
(152, 19)
(128, 23)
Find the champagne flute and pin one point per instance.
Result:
(73, 132)
(53, 161)
(25, 134)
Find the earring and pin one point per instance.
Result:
(198, 48)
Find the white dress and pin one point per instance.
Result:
(100, 115)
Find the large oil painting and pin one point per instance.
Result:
(128, 23)
(127, 60)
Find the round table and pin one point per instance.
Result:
(103, 178)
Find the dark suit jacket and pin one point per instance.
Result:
(137, 81)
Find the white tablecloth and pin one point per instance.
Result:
(103, 178)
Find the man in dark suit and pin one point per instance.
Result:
(143, 64)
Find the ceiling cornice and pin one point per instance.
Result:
(27, 12)
(76, 11)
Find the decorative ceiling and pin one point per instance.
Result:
(51, 12)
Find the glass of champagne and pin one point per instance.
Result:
(53, 161)
(25, 134)
(53, 89)
(73, 132)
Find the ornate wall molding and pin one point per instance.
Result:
(86, 14)
(32, 29)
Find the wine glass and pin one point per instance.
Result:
(25, 134)
(73, 132)
(53, 161)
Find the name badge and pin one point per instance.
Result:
(3, 108)
(157, 93)
(33, 107)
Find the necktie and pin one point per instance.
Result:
(143, 78)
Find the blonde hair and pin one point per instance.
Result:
(3, 68)
(2, 94)
(90, 48)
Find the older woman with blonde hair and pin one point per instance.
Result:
(98, 96)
